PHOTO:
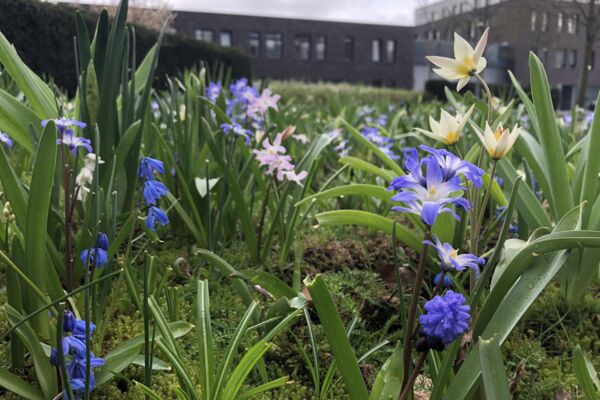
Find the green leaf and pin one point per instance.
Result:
(113, 360)
(353, 189)
(366, 166)
(337, 339)
(550, 140)
(385, 159)
(586, 374)
(15, 119)
(42, 181)
(274, 384)
(371, 220)
(270, 282)
(44, 371)
(205, 339)
(232, 348)
(241, 371)
(495, 381)
(16, 385)
(38, 94)
(388, 383)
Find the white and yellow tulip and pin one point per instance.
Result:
(449, 128)
(499, 142)
(466, 62)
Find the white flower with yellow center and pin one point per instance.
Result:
(449, 128)
(499, 142)
(466, 62)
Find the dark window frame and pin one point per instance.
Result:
(273, 35)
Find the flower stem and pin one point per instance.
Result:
(413, 377)
(486, 197)
(68, 218)
(412, 312)
(488, 94)
(263, 214)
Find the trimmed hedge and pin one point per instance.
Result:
(43, 35)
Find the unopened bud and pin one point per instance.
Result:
(288, 132)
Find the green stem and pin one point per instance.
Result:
(413, 377)
(263, 214)
(488, 93)
(412, 312)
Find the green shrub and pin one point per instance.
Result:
(49, 50)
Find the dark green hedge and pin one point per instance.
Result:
(43, 36)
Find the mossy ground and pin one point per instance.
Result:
(351, 261)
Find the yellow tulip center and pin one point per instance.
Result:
(498, 133)
(468, 66)
(451, 138)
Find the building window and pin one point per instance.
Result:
(348, 48)
(225, 39)
(571, 24)
(560, 22)
(533, 21)
(320, 48)
(273, 46)
(376, 50)
(544, 22)
(302, 46)
(390, 51)
(560, 59)
(572, 58)
(592, 61)
(204, 35)
(254, 44)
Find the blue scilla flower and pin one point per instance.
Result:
(102, 242)
(69, 321)
(156, 215)
(446, 283)
(153, 191)
(451, 260)
(4, 138)
(148, 166)
(79, 329)
(446, 318)
(428, 195)
(237, 130)
(97, 257)
(76, 370)
(453, 166)
(213, 91)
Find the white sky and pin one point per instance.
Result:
(387, 12)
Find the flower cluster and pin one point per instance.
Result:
(433, 183)
(97, 255)
(278, 163)
(74, 348)
(86, 176)
(384, 143)
(152, 191)
(237, 130)
(446, 318)
(449, 128)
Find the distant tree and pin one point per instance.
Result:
(151, 14)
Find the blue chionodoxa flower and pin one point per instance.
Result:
(96, 256)
(429, 194)
(446, 283)
(213, 90)
(156, 216)
(451, 260)
(148, 166)
(67, 135)
(74, 351)
(238, 130)
(4, 138)
(453, 166)
(446, 318)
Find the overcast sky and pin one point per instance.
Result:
(389, 12)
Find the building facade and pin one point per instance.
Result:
(308, 50)
(553, 29)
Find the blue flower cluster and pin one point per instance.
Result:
(446, 318)
(74, 350)
(384, 143)
(433, 183)
(236, 106)
(152, 191)
(4, 138)
(96, 256)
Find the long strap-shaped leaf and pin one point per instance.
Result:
(550, 138)
(337, 339)
(205, 339)
(495, 382)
